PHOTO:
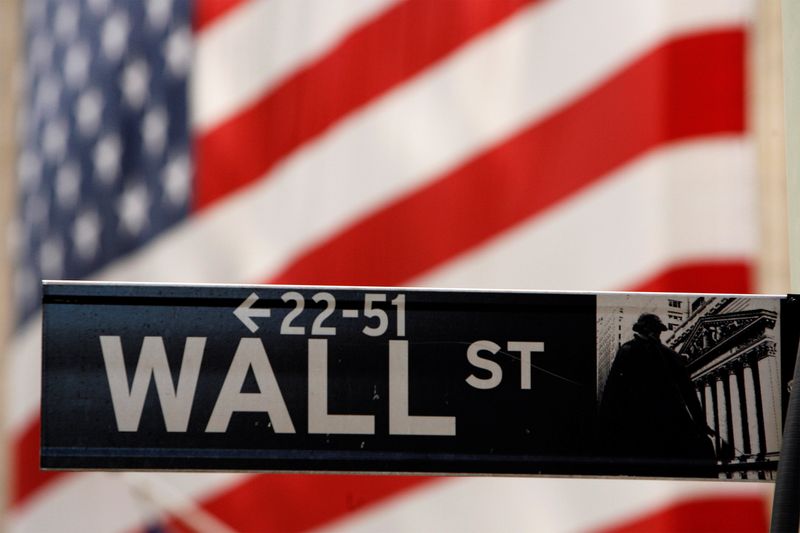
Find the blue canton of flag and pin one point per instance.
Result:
(106, 160)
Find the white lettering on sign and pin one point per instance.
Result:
(176, 404)
(400, 422)
(319, 421)
(245, 312)
(378, 319)
(494, 369)
(370, 311)
(474, 357)
(525, 349)
(299, 304)
(250, 354)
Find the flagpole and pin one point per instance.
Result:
(786, 504)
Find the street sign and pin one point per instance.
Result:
(276, 378)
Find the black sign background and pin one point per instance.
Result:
(548, 428)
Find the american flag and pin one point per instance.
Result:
(552, 144)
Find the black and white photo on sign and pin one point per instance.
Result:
(691, 377)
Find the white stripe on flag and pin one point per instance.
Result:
(683, 202)
(296, 32)
(24, 378)
(119, 502)
(261, 43)
(558, 505)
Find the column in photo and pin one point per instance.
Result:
(726, 346)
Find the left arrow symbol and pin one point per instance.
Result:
(246, 313)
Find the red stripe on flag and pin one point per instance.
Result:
(26, 476)
(709, 276)
(208, 11)
(291, 502)
(710, 515)
(373, 59)
(689, 87)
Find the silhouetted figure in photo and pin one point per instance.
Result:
(650, 407)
